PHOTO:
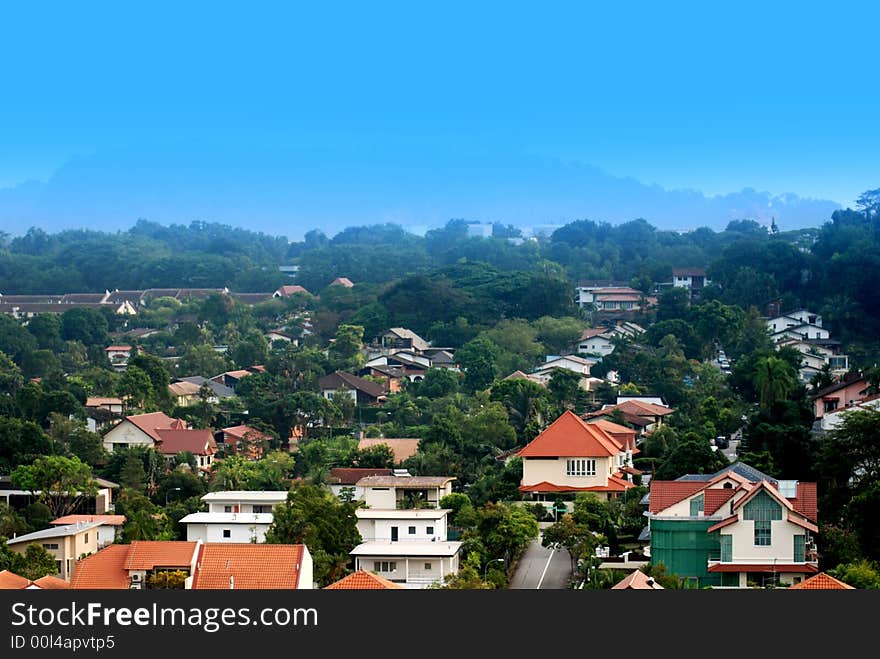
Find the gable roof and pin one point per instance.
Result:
(637, 580)
(843, 384)
(290, 289)
(343, 281)
(341, 380)
(197, 442)
(570, 436)
(822, 581)
(351, 475)
(54, 532)
(11, 581)
(51, 582)
(402, 447)
(149, 423)
(363, 580)
(147, 554)
(248, 566)
(245, 431)
(418, 343)
(663, 494)
(105, 569)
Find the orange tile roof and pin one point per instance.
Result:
(637, 580)
(105, 569)
(147, 554)
(11, 581)
(663, 494)
(197, 442)
(109, 520)
(50, 582)
(641, 408)
(571, 436)
(822, 581)
(250, 566)
(363, 580)
(613, 485)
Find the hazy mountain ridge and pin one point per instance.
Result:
(291, 192)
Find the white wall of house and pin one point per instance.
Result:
(242, 503)
(430, 530)
(126, 434)
(554, 471)
(380, 497)
(781, 545)
(411, 571)
(330, 393)
(307, 571)
(596, 346)
(357, 492)
(106, 534)
(210, 532)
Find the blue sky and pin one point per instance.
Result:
(373, 110)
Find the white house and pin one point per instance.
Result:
(793, 319)
(411, 564)
(140, 430)
(343, 481)
(595, 341)
(406, 525)
(399, 492)
(573, 363)
(244, 501)
(227, 527)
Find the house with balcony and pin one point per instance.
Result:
(404, 492)
(736, 528)
(343, 481)
(234, 516)
(572, 456)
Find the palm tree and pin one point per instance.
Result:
(774, 380)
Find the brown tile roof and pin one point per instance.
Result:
(402, 447)
(593, 331)
(105, 569)
(11, 581)
(184, 388)
(291, 289)
(109, 520)
(806, 502)
(250, 566)
(151, 422)
(637, 580)
(341, 379)
(351, 475)
(822, 581)
(571, 436)
(197, 442)
(50, 582)
(663, 494)
(714, 498)
(363, 580)
(245, 432)
(344, 281)
(404, 481)
(147, 554)
(96, 401)
(117, 348)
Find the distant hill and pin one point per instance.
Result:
(293, 192)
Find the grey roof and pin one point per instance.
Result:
(54, 532)
(645, 535)
(645, 500)
(741, 468)
(221, 390)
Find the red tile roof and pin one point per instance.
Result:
(151, 422)
(641, 408)
(50, 582)
(351, 475)
(762, 567)
(714, 498)
(806, 501)
(727, 521)
(11, 581)
(250, 566)
(822, 581)
(663, 494)
(571, 436)
(109, 520)
(767, 487)
(637, 580)
(613, 485)
(594, 331)
(345, 281)
(290, 290)
(197, 442)
(363, 580)
(240, 431)
(147, 554)
(796, 519)
(402, 447)
(105, 569)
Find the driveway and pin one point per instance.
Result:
(542, 568)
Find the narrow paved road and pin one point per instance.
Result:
(542, 568)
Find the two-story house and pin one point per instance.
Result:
(572, 456)
(734, 528)
(234, 516)
(65, 543)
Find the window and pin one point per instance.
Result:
(429, 530)
(427, 566)
(763, 509)
(85, 537)
(227, 533)
(262, 509)
(799, 548)
(726, 548)
(697, 506)
(831, 405)
(580, 467)
(227, 509)
(50, 545)
(384, 566)
(412, 530)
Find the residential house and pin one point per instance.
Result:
(108, 403)
(342, 281)
(622, 299)
(219, 391)
(850, 390)
(11, 581)
(572, 456)
(108, 532)
(573, 363)
(199, 442)
(231, 378)
(402, 448)
(637, 580)
(289, 289)
(520, 375)
(585, 290)
(833, 420)
(227, 527)
(692, 279)
(400, 338)
(646, 417)
(205, 565)
(98, 503)
(363, 580)
(243, 440)
(282, 335)
(391, 377)
(343, 480)
(361, 391)
(793, 319)
(185, 394)
(102, 412)
(412, 365)
(735, 528)
(595, 342)
(139, 430)
(821, 581)
(118, 355)
(403, 492)
(65, 543)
